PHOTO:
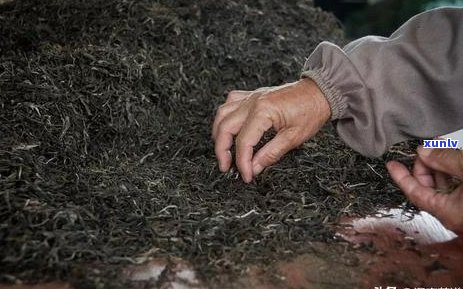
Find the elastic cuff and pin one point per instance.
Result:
(333, 96)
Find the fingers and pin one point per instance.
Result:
(294, 106)
(231, 104)
(423, 174)
(251, 133)
(223, 111)
(448, 161)
(274, 150)
(226, 130)
(422, 196)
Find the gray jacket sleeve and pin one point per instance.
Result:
(385, 90)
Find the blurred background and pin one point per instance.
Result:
(378, 17)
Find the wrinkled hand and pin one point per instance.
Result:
(435, 184)
(295, 110)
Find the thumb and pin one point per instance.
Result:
(283, 142)
(449, 161)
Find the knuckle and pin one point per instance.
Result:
(262, 108)
(262, 103)
(222, 127)
(273, 156)
(293, 139)
(221, 111)
(234, 94)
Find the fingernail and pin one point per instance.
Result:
(257, 169)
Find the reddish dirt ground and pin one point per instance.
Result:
(391, 250)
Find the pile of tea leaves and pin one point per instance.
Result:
(105, 149)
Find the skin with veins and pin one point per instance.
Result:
(296, 111)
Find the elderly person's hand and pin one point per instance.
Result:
(435, 184)
(295, 110)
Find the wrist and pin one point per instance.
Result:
(311, 90)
